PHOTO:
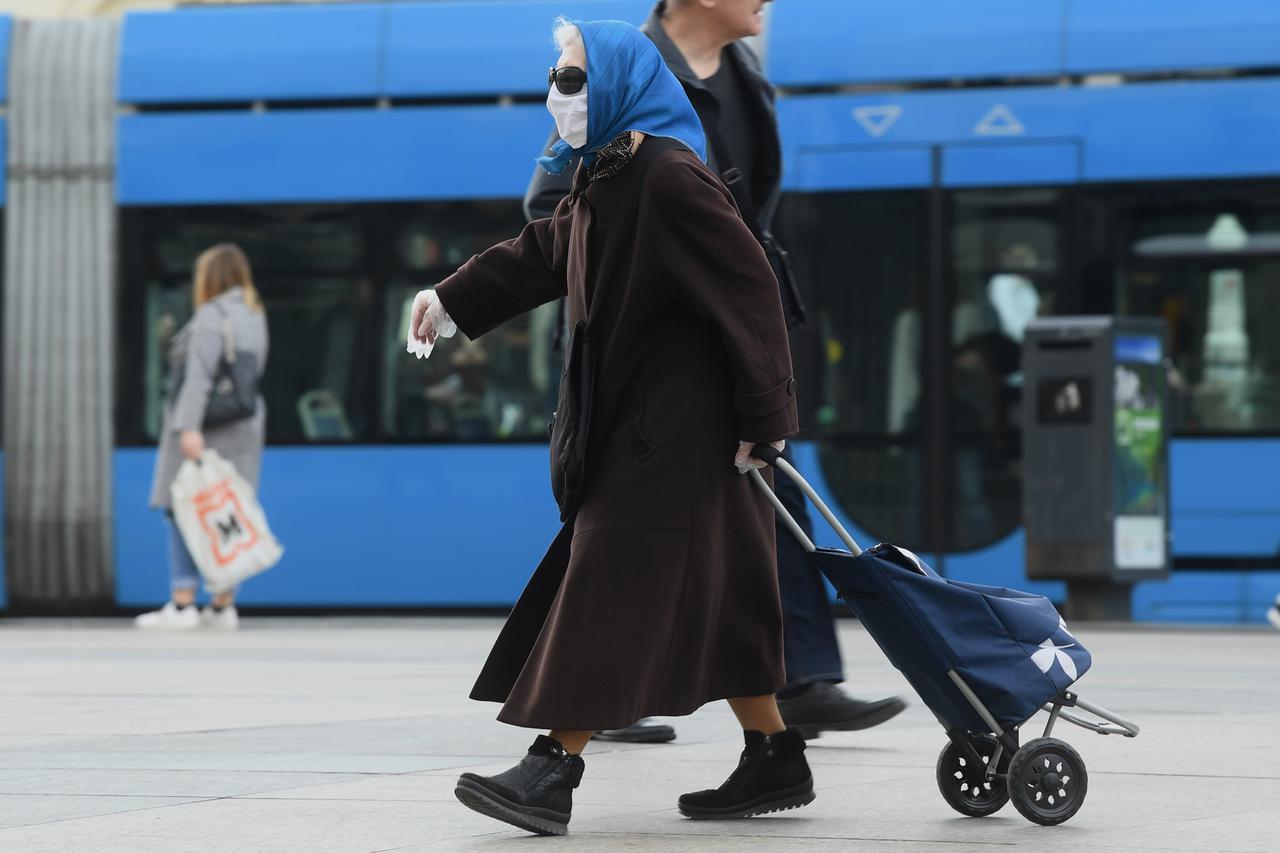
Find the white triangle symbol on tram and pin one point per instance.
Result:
(877, 120)
(999, 121)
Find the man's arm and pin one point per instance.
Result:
(546, 190)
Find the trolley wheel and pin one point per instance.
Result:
(966, 788)
(1047, 781)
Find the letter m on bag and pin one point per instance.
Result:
(222, 518)
(228, 529)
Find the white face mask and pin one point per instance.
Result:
(570, 113)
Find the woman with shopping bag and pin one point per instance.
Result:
(660, 592)
(215, 363)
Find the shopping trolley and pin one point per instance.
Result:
(984, 659)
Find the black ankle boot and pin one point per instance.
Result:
(772, 776)
(535, 795)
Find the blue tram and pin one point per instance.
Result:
(951, 172)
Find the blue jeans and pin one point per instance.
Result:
(809, 645)
(183, 574)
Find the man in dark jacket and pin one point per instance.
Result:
(700, 41)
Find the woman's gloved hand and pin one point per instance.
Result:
(429, 321)
(743, 459)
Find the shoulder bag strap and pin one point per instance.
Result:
(735, 181)
(228, 338)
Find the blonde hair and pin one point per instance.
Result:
(219, 269)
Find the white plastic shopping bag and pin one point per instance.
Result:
(221, 522)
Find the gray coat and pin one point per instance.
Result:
(195, 350)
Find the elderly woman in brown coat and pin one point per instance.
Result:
(660, 592)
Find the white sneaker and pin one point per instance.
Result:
(1273, 615)
(171, 617)
(226, 619)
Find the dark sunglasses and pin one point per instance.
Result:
(569, 79)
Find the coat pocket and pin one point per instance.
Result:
(571, 423)
(640, 446)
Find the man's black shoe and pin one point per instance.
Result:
(642, 731)
(536, 795)
(772, 776)
(823, 707)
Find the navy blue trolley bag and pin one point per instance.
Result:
(985, 659)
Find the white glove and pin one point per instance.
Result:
(744, 461)
(428, 322)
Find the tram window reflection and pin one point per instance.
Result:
(338, 283)
(1207, 260)
(311, 267)
(494, 389)
(862, 258)
(1006, 271)
(498, 388)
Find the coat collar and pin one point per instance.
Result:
(740, 53)
(670, 53)
(766, 193)
(234, 294)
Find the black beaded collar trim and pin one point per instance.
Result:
(612, 159)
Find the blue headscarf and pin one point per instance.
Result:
(629, 87)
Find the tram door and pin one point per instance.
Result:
(924, 267)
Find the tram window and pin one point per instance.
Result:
(338, 282)
(1006, 271)
(311, 266)
(866, 256)
(863, 258)
(316, 384)
(499, 388)
(1207, 260)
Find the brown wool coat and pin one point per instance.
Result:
(662, 593)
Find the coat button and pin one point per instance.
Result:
(791, 387)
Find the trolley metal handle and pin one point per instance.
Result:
(770, 454)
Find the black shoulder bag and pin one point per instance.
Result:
(234, 394)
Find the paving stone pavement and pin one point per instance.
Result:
(345, 735)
